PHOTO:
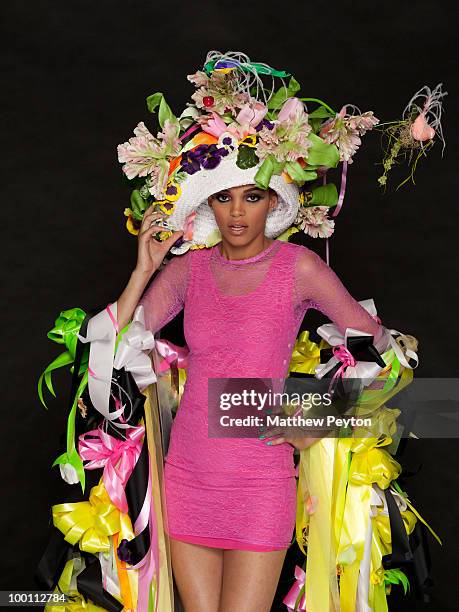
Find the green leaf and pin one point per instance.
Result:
(138, 204)
(164, 111)
(283, 94)
(288, 232)
(325, 195)
(320, 113)
(246, 157)
(321, 153)
(299, 174)
(269, 167)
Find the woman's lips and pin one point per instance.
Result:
(237, 229)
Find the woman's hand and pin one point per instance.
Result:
(151, 251)
(298, 442)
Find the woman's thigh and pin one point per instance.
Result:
(250, 580)
(197, 574)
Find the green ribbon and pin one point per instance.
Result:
(65, 331)
(71, 455)
(247, 67)
(396, 576)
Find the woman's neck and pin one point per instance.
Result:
(234, 252)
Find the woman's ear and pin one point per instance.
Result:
(272, 200)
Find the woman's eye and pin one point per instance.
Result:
(253, 197)
(222, 198)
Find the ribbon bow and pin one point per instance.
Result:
(117, 457)
(295, 598)
(305, 355)
(65, 331)
(90, 523)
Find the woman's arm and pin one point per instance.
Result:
(318, 284)
(167, 289)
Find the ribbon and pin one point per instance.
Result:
(133, 349)
(305, 354)
(295, 598)
(229, 64)
(67, 584)
(90, 523)
(117, 457)
(65, 331)
(171, 353)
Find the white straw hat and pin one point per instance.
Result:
(199, 186)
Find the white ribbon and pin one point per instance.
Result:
(133, 349)
(378, 506)
(366, 371)
(135, 345)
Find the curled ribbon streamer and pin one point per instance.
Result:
(171, 353)
(133, 348)
(295, 598)
(117, 457)
(89, 523)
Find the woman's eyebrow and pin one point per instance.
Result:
(253, 188)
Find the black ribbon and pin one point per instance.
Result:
(134, 551)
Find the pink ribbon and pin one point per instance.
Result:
(149, 565)
(291, 597)
(117, 457)
(171, 352)
(347, 359)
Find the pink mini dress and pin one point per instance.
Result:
(241, 319)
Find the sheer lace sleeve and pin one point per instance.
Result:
(319, 286)
(165, 296)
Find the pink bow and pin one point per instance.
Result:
(117, 457)
(347, 359)
(171, 352)
(291, 597)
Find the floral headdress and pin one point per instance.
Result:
(237, 123)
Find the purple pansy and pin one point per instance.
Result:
(264, 123)
(203, 156)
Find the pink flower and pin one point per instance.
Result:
(313, 220)
(212, 124)
(251, 114)
(145, 155)
(288, 139)
(421, 130)
(199, 78)
(293, 110)
(345, 132)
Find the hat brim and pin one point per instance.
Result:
(198, 187)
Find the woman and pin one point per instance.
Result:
(231, 502)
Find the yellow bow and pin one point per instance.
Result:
(306, 354)
(91, 522)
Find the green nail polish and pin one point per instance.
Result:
(262, 436)
(269, 442)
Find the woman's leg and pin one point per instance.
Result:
(250, 580)
(198, 575)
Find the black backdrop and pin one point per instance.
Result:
(75, 79)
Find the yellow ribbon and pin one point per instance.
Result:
(67, 585)
(306, 354)
(91, 522)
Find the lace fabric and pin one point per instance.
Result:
(316, 286)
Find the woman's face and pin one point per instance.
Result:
(240, 212)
